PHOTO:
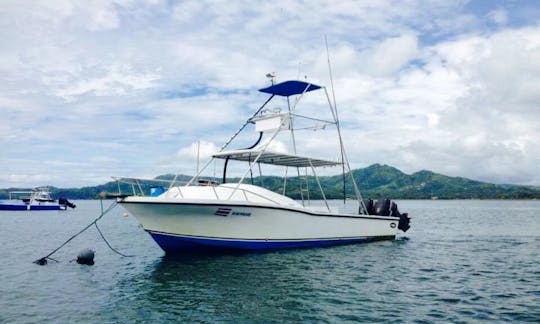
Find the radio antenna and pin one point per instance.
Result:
(330, 71)
(335, 109)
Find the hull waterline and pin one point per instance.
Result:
(173, 243)
(30, 207)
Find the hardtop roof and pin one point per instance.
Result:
(275, 158)
(290, 88)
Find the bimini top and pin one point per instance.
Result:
(274, 158)
(290, 88)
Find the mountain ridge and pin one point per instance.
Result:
(374, 181)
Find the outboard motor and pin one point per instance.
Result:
(370, 207)
(394, 210)
(66, 203)
(404, 219)
(385, 208)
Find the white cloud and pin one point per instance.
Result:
(498, 16)
(103, 17)
(491, 123)
(391, 55)
(187, 10)
(118, 80)
(117, 86)
(201, 150)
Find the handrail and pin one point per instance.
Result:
(135, 182)
(179, 192)
(320, 187)
(256, 194)
(215, 192)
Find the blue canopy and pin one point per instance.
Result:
(290, 88)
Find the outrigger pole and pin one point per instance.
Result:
(335, 107)
(344, 158)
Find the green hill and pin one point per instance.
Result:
(374, 181)
(387, 181)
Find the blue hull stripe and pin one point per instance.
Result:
(25, 207)
(171, 243)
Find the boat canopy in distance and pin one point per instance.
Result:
(274, 158)
(290, 88)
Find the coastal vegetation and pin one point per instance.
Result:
(375, 181)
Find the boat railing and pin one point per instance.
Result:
(244, 191)
(16, 194)
(39, 193)
(137, 187)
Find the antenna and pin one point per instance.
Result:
(300, 71)
(330, 71)
(344, 158)
(271, 76)
(198, 154)
(335, 108)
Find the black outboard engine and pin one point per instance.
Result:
(66, 203)
(404, 219)
(370, 207)
(385, 208)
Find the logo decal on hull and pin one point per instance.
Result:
(223, 212)
(241, 214)
(229, 211)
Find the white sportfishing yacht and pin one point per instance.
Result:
(207, 215)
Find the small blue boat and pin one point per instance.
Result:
(37, 199)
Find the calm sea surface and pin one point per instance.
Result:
(462, 261)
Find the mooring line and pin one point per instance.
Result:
(43, 260)
(110, 247)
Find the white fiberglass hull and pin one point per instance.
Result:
(193, 224)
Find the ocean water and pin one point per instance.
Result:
(462, 261)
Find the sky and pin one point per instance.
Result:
(94, 89)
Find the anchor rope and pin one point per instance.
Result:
(43, 260)
(110, 247)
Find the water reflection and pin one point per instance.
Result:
(297, 285)
(237, 286)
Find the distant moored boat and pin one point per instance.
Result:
(37, 199)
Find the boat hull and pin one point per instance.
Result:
(30, 207)
(189, 226)
(173, 243)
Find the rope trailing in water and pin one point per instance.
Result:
(43, 260)
(110, 247)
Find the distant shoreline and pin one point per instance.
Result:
(376, 181)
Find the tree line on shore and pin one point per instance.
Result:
(375, 181)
